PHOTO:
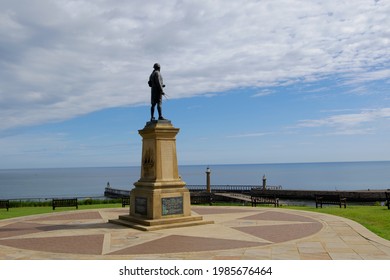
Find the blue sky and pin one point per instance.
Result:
(247, 81)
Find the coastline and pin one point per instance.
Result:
(90, 181)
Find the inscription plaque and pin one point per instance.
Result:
(141, 204)
(172, 205)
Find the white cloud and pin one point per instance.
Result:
(60, 59)
(255, 134)
(350, 124)
(264, 92)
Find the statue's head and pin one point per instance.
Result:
(156, 66)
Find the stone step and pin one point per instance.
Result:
(172, 224)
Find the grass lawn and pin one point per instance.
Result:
(26, 211)
(375, 218)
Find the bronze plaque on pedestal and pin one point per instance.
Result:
(141, 204)
(172, 205)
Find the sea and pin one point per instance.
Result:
(44, 183)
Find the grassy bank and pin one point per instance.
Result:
(34, 210)
(375, 218)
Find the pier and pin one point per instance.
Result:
(221, 192)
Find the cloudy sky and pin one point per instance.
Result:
(247, 81)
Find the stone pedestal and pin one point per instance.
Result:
(159, 199)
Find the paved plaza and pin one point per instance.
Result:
(241, 233)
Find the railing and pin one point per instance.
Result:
(48, 200)
(199, 188)
(116, 193)
(272, 188)
(230, 188)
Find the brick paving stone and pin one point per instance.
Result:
(84, 244)
(282, 233)
(71, 216)
(279, 216)
(16, 229)
(177, 243)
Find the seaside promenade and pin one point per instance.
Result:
(238, 233)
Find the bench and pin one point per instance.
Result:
(387, 199)
(125, 200)
(4, 204)
(263, 198)
(64, 202)
(201, 198)
(330, 199)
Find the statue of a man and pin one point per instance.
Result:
(156, 83)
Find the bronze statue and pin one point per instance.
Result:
(156, 83)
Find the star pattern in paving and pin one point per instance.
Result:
(88, 233)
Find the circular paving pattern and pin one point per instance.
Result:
(88, 234)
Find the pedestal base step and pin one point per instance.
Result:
(150, 225)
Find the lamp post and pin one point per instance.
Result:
(208, 171)
(264, 183)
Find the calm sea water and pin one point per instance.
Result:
(84, 182)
